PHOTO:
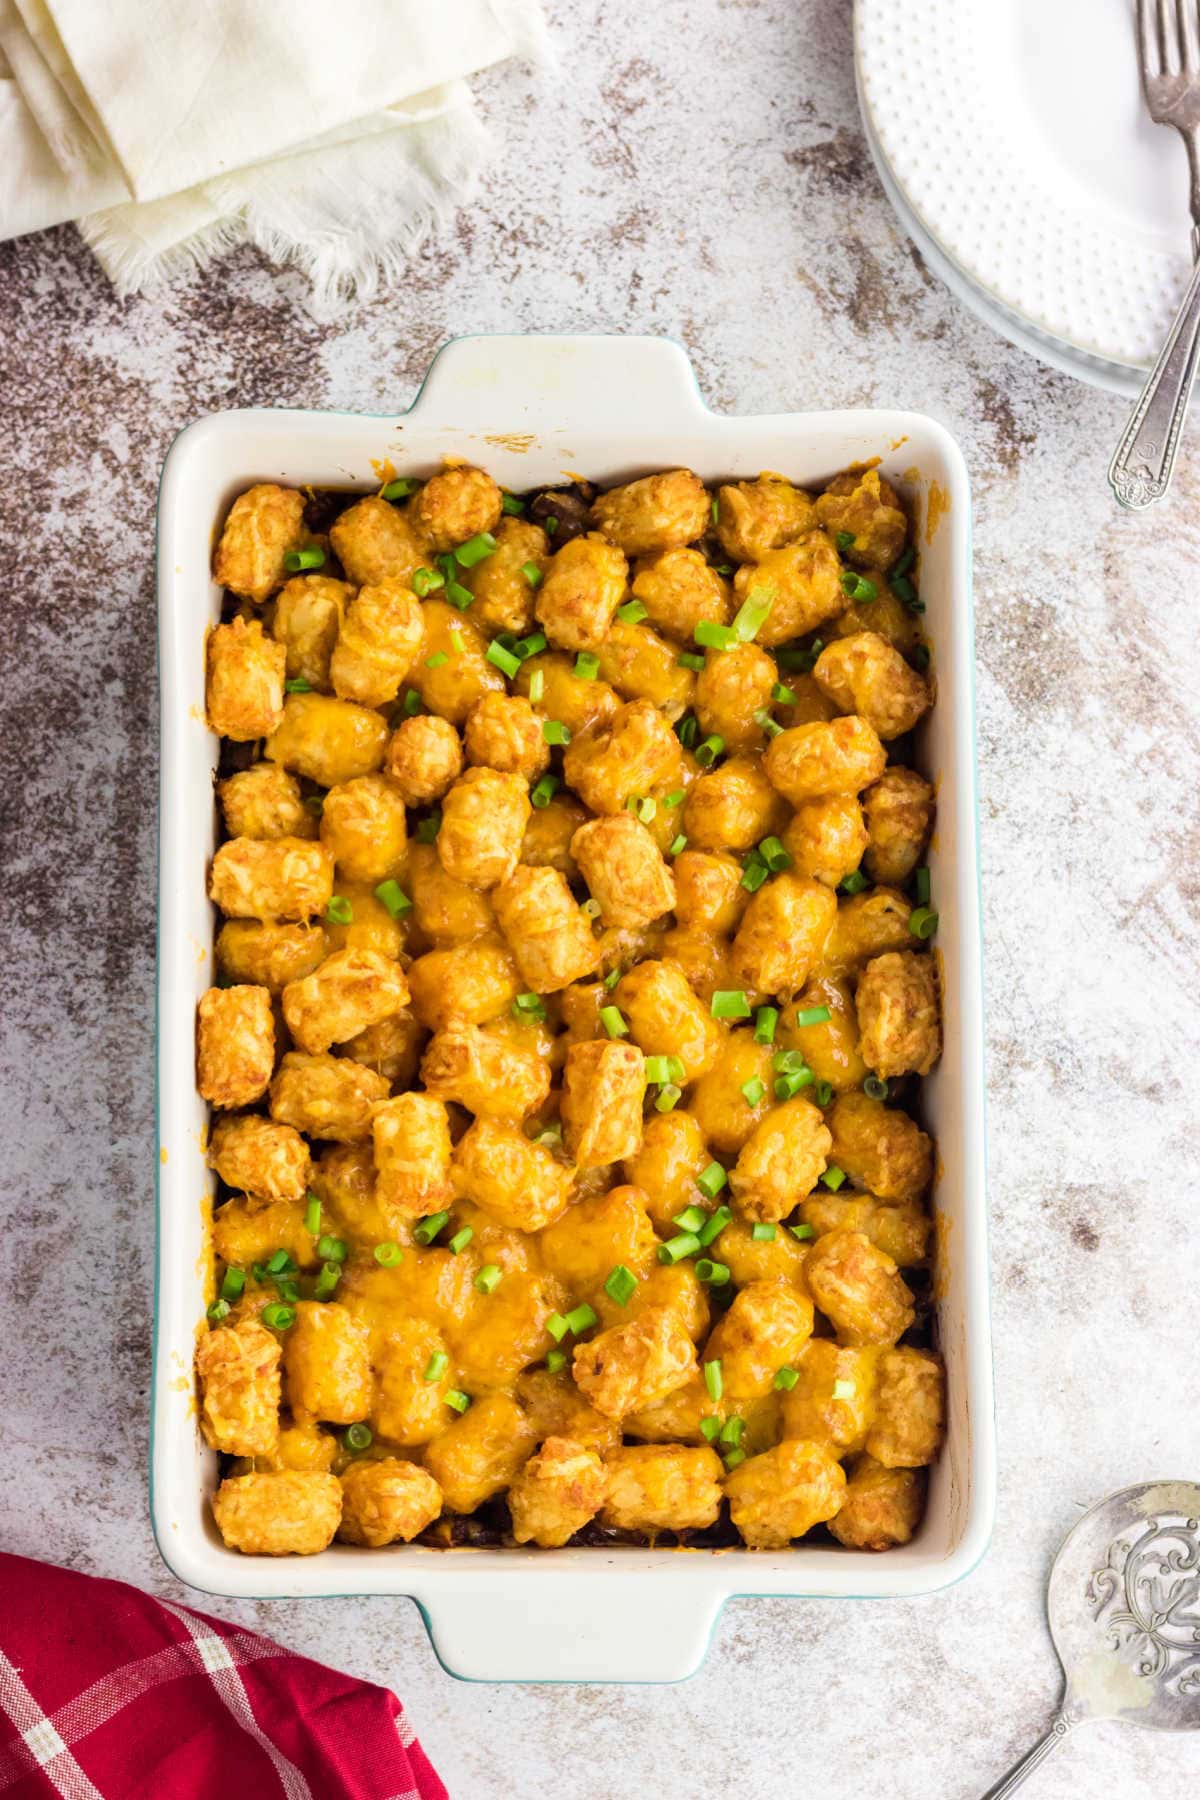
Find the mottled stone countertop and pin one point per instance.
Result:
(693, 168)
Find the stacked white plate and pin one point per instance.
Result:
(1013, 141)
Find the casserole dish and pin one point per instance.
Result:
(533, 411)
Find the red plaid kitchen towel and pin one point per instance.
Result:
(106, 1694)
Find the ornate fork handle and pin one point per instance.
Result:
(1140, 471)
(1041, 1750)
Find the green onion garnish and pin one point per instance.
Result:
(460, 1240)
(855, 883)
(532, 574)
(392, 897)
(537, 686)
(713, 1274)
(646, 808)
(551, 1137)
(511, 505)
(621, 1285)
(427, 829)
(823, 1093)
(774, 855)
(729, 1003)
(786, 1062)
(731, 1431)
(278, 1261)
(787, 1086)
(712, 1379)
(751, 616)
(613, 1023)
(458, 595)
(551, 525)
(874, 1088)
(687, 730)
(233, 1285)
(437, 659)
(279, 1318)
(556, 1361)
(690, 1219)
(857, 587)
(710, 1428)
(581, 1318)
(903, 563)
(632, 613)
(339, 910)
(530, 1006)
(557, 1326)
(531, 646)
(676, 845)
(905, 592)
(429, 1226)
(543, 791)
(502, 659)
(844, 540)
(783, 695)
(714, 509)
(663, 1068)
(590, 909)
(813, 1015)
(437, 1365)
(711, 1180)
(802, 1232)
(833, 1177)
(734, 1458)
(388, 1255)
(474, 550)
(612, 978)
(424, 581)
(412, 702)
(763, 1234)
(753, 1090)
(688, 660)
(673, 800)
(708, 751)
(843, 1390)
(786, 1378)
(555, 732)
(458, 1400)
(313, 557)
(357, 1437)
(297, 685)
(676, 1248)
(923, 922)
(315, 803)
(398, 490)
(755, 873)
(765, 722)
(587, 666)
(332, 1249)
(765, 1021)
(920, 656)
(489, 1278)
(217, 1311)
(714, 636)
(717, 1221)
(922, 886)
(312, 1214)
(669, 1096)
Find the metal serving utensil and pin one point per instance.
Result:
(1124, 1607)
(1169, 55)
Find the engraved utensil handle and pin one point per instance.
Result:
(1041, 1750)
(1140, 471)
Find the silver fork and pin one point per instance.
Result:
(1169, 54)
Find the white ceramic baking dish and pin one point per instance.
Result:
(532, 410)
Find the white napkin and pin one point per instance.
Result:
(332, 133)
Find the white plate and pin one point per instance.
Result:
(1018, 141)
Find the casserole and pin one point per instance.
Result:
(534, 411)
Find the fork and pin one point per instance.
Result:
(1169, 55)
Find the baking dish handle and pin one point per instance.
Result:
(501, 384)
(569, 1628)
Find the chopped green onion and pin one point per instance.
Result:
(537, 686)
(613, 1023)
(278, 1261)
(857, 587)
(458, 1400)
(754, 875)
(621, 1285)
(676, 845)
(428, 829)
(765, 1021)
(753, 1090)
(412, 702)
(532, 574)
(673, 800)
(474, 550)
(676, 1248)
(765, 722)
(312, 1214)
(714, 636)
(458, 595)
(502, 659)
(920, 656)
(763, 1234)
(424, 581)
(315, 803)
(874, 1088)
(823, 1093)
(279, 1318)
(297, 685)
(388, 1255)
(587, 666)
(489, 1278)
(690, 1219)
(339, 910)
(711, 1180)
(751, 616)
(632, 613)
(687, 659)
(312, 557)
(923, 922)
(531, 646)
(551, 525)
(843, 1390)
(456, 640)
(922, 886)
(460, 1240)
(543, 791)
(844, 541)
(590, 909)
(855, 883)
(612, 978)
(529, 1006)
(392, 897)
(687, 730)
(833, 1177)
(437, 1365)
(663, 1068)
(734, 1459)
(774, 855)
(714, 509)
(731, 1431)
(551, 1137)
(332, 1249)
(713, 1274)
(905, 592)
(430, 1225)
(802, 1232)
(233, 1284)
(787, 1062)
(723, 568)
(556, 1361)
(217, 1311)
(717, 1221)
(357, 1437)
(447, 565)
(581, 1318)
(511, 505)
(398, 490)
(437, 659)
(786, 1378)
(729, 1003)
(557, 1326)
(813, 1015)
(712, 1379)
(555, 732)
(708, 751)
(710, 1428)
(903, 563)
(787, 1086)
(646, 808)
(783, 695)
(669, 1096)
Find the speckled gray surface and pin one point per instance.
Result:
(694, 168)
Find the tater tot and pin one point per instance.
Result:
(898, 1014)
(557, 1492)
(260, 1156)
(659, 512)
(754, 517)
(238, 1368)
(326, 1363)
(375, 541)
(866, 507)
(285, 1512)
(881, 1149)
(764, 1331)
(547, 933)
(643, 666)
(264, 801)
(909, 1408)
(630, 754)
(901, 1231)
(392, 1047)
(235, 1045)
(632, 1366)
(603, 1087)
(248, 1230)
(268, 879)
(666, 1163)
(516, 1182)
(484, 1072)
(377, 644)
(719, 1103)
(858, 1288)
(350, 990)
(803, 582)
(387, 1501)
(308, 615)
(503, 732)
(445, 910)
(451, 688)
(585, 582)
(370, 925)
(829, 1046)
(826, 838)
(501, 584)
(733, 807)
(268, 955)
(840, 757)
(244, 691)
(472, 982)
(678, 1288)
(881, 1508)
(326, 1096)
(833, 1398)
(408, 1407)
(783, 1493)
(709, 895)
(886, 614)
(665, 1017)
(581, 1248)
(566, 696)
(782, 934)
(549, 832)
(864, 675)
(678, 589)
(363, 828)
(868, 925)
(483, 822)
(898, 811)
(411, 1135)
(481, 1453)
(456, 505)
(733, 685)
(781, 1161)
(810, 706)
(326, 739)
(779, 1258)
(555, 1408)
(264, 523)
(624, 870)
(424, 758)
(662, 1487)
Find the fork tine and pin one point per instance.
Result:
(1181, 26)
(1148, 49)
